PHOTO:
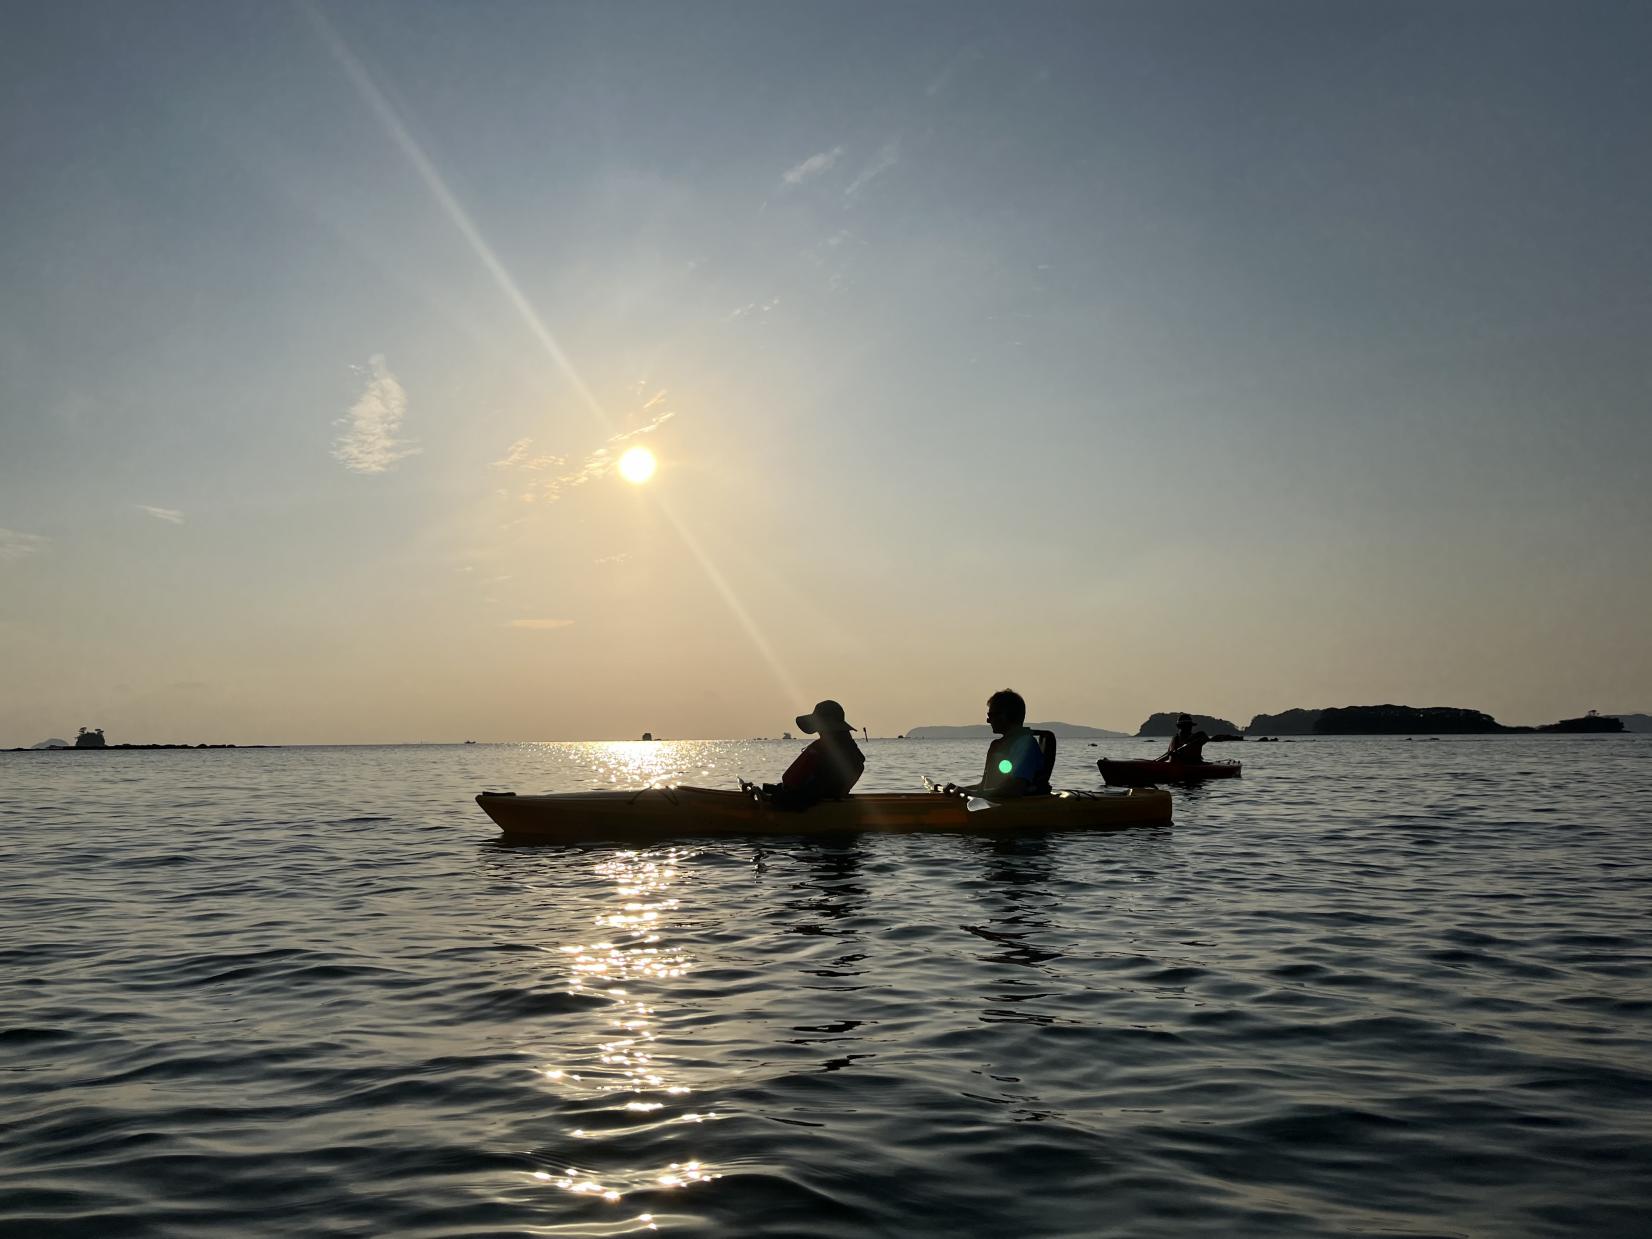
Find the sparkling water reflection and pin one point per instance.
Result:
(622, 1087)
(1368, 988)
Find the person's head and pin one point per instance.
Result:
(1184, 722)
(827, 716)
(1006, 709)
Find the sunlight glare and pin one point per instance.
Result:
(637, 465)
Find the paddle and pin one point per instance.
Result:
(1199, 756)
(972, 803)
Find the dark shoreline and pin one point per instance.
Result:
(112, 748)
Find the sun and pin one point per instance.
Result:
(637, 465)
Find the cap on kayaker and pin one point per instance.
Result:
(826, 716)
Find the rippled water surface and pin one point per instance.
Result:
(1374, 987)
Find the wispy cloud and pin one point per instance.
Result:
(540, 625)
(369, 443)
(14, 545)
(599, 462)
(399, 134)
(814, 165)
(521, 456)
(754, 307)
(647, 428)
(889, 154)
(170, 515)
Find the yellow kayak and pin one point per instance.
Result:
(681, 812)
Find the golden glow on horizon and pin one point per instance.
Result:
(637, 465)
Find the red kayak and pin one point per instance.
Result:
(1142, 773)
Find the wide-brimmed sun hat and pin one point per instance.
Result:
(826, 716)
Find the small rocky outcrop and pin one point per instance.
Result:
(91, 739)
(1590, 724)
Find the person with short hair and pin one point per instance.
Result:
(827, 767)
(1015, 763)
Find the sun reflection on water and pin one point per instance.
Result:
(625, 1078)
(648, 763)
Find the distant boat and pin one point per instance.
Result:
(785, 735)
(470, 742)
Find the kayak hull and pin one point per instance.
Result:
(683, 812)
(1147, 773)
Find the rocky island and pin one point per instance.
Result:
(1393, 720)
(1164, 724)
(91, 740)
(1286, 723)
(1634, 722)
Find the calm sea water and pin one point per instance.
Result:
(1375, 987)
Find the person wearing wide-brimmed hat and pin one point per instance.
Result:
(827, 768)
(1188, 744)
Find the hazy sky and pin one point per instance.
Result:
(1229, 357)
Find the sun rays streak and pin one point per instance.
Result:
(387, 116)
(450, 205)
(732, 601)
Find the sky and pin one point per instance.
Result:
(1230, 357)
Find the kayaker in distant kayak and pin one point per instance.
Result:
(1015, 763)
(1187, 745)
(827, 768)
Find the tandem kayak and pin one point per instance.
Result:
(1145, 773)
(679, 812)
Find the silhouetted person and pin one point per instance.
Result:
(1015, 763)
(1187, 745)
(827, 768)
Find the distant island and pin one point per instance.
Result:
(1393, 720)
(1635, 722)
(1164, 724)
(114, 748)
(1288, 723)
(1399, 720)
(91, 740)
(980, 731)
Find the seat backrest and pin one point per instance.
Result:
(1046, 747)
